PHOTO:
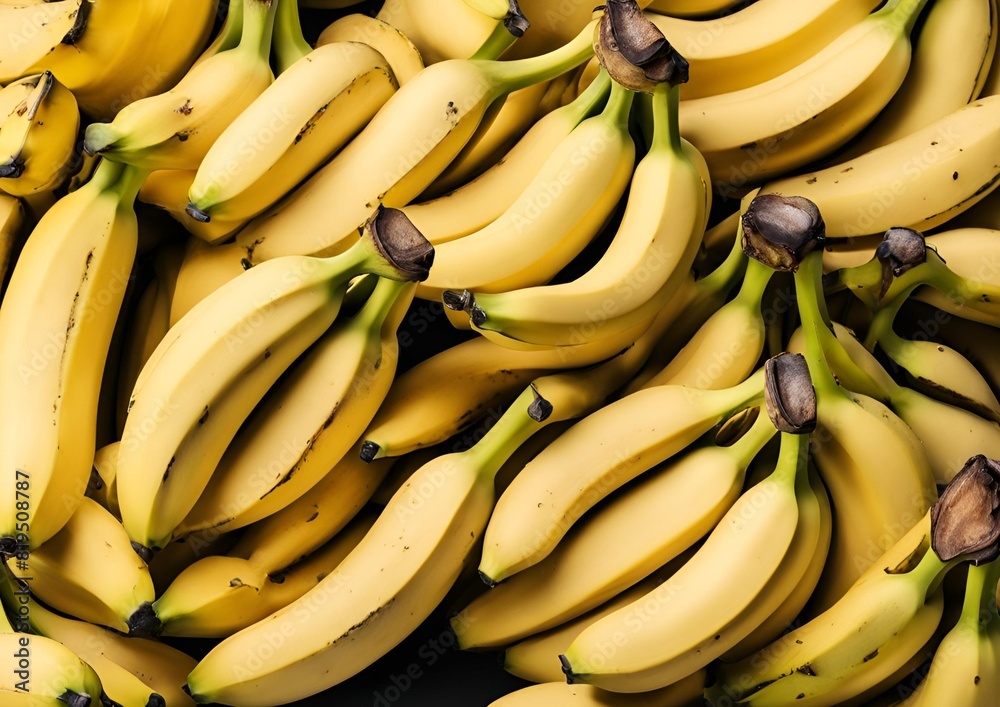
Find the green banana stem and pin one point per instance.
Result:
(666, 128)
(232, 28)
(901, 14)
(289, 44)
(755, 282)
(980, 604)
(880, 330)
(793, 458)
(499, 41)
(512, 430)
(258, 26)
(724, 278)
(619, 106)
(747, 447)
(384, 300)
(591, 98)
(930, 571)
(508, 76)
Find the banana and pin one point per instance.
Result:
(120, 51)
(288, 45)
(644, 265)
(311, 111)
(175, 129)
(546, 227)
(879, 190)
(309, 420)
(56, 323)
(133, 671)
(438, 39)
(959, 34)
(38, 137)
(218, 596)
(394, 578)
(756, 43)
(40, 672)
(404, 59)
(814, 663)
(727, 347)
(102, 487)
(689, 620)
(180, 554)
(61, 572)
(971, 339)
(964, 668)
(403, 149)
(476, 205)
(691, 8)
(32, 30)
(232, 348)
(598, 454)
(683, 692)
(12, 219)
(656, 518)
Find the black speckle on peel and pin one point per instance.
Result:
(954, 175)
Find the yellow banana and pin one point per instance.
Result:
(446, 29)
(559, 693)
(691, 8)
(31, 30)
(403, 58)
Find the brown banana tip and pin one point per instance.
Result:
(76, 699)
(540, 409)
(142, 551)
(79, 25)
(456, 301)
(487, 580)
(399, 241)
(369, 451)
(965, 520)
(144, 622)
(515, 21)
(634, 50)
(156, 700)
(197, 214)
(11, 170)
(566, 668)
(789, 395)
(901, 249)
(779, 231)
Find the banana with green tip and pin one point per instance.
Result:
(309, 420)
(220, 595)
(394, 578)
(38, 136)
(313, 108)
(545, 227)
(408, 143)
(467, 26)
(175, 129)
(952, 54)
(757, 42)
(61, 572)
(964, 668)
(655, 519)
(56, 323)
(204, 379)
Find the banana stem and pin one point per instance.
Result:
(755, 282)
(930, 571)
(512, 430)
(508, 76)
(980, 604)
(747, 447)
(289, 43)
(724, 277)
(666, 128)
(594, 95)
(619, 105)
(497, 43)
(129, 183)
(880, 330)
(901, 14)
(383, 300)
(258, 26)
(793, 457)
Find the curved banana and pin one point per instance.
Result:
(438, 39)
(218, 596)
(61, 572)
(56, 322)
(656, 518)
(964, 668)
(393, 579)
(38, 137)
(560, 211)
(403, 149)
(756, 43)
(403, 58)
(309, 420)
(814, 663)
(175, 129)
(878, 190)
(644, 265)
(598, 454)
(958, 34)
(216, 364)
(133, 671)
(689, 620)
(559, 693)
(310, 111)
(180, 554)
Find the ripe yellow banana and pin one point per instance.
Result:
(403, 149)
(958, 34)
(31, 30)
(598, 454)
(964, 669)
(175, 129)
(658, 517)
(756, 43)
(394, 578)
(309, 420)
(879, 190)
(559, 693)
(446, 29)
(218, 596)
(132, 670)
(56, 323)
(404, 59)
(216, 364)
(686, 622)
(647, 261)
(180, 554)
(560, 211)
(62, 572)
(38, 136)
(762, 131)
(311, 110)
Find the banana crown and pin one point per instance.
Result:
(634, 50)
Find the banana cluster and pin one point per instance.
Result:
(651, 346)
